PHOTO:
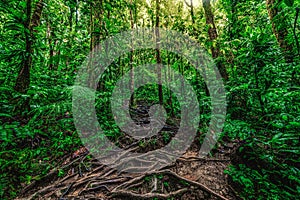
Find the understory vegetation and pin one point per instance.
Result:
(254, 43)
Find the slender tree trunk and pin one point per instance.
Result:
(279, 27)
(212, 31)
(36, 17)
(23, 79)
(213, 35)
(76, 14)
(191, 6)
(131, 56)
(96, 13)
(158, 56)
(91, 27)
(192, 11)
(96, 24)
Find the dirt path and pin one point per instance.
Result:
(188, 178)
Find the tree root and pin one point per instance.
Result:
(131, 183)
(120, 193)
(113, 184)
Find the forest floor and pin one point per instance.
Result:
(190, 177)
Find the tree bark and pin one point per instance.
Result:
(279, 27)
(23, 79)
(131, 56)
(36, 17)
(213, 35)
(96, 31)
(192, 12)
(191, 6)
(96, 28)
(158, 56)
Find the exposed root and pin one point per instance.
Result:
(124, 193)
(203, 187)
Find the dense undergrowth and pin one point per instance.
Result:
(263, 96)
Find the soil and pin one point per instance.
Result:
(189, 177)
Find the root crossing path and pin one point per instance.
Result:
(86, 178)
(190, 177)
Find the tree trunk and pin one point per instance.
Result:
(96, 28)
(279, 28)
(36, 17)
(191, 6)
(76, 15)
(131, 57)
(158, 56)
(23, 79)
(213, 35)
(96, 24)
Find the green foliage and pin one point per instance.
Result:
(264, 111)
(261, 184)
(289, 2)
(263, 88)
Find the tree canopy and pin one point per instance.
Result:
(254, 45)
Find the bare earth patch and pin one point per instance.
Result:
(190, 177)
